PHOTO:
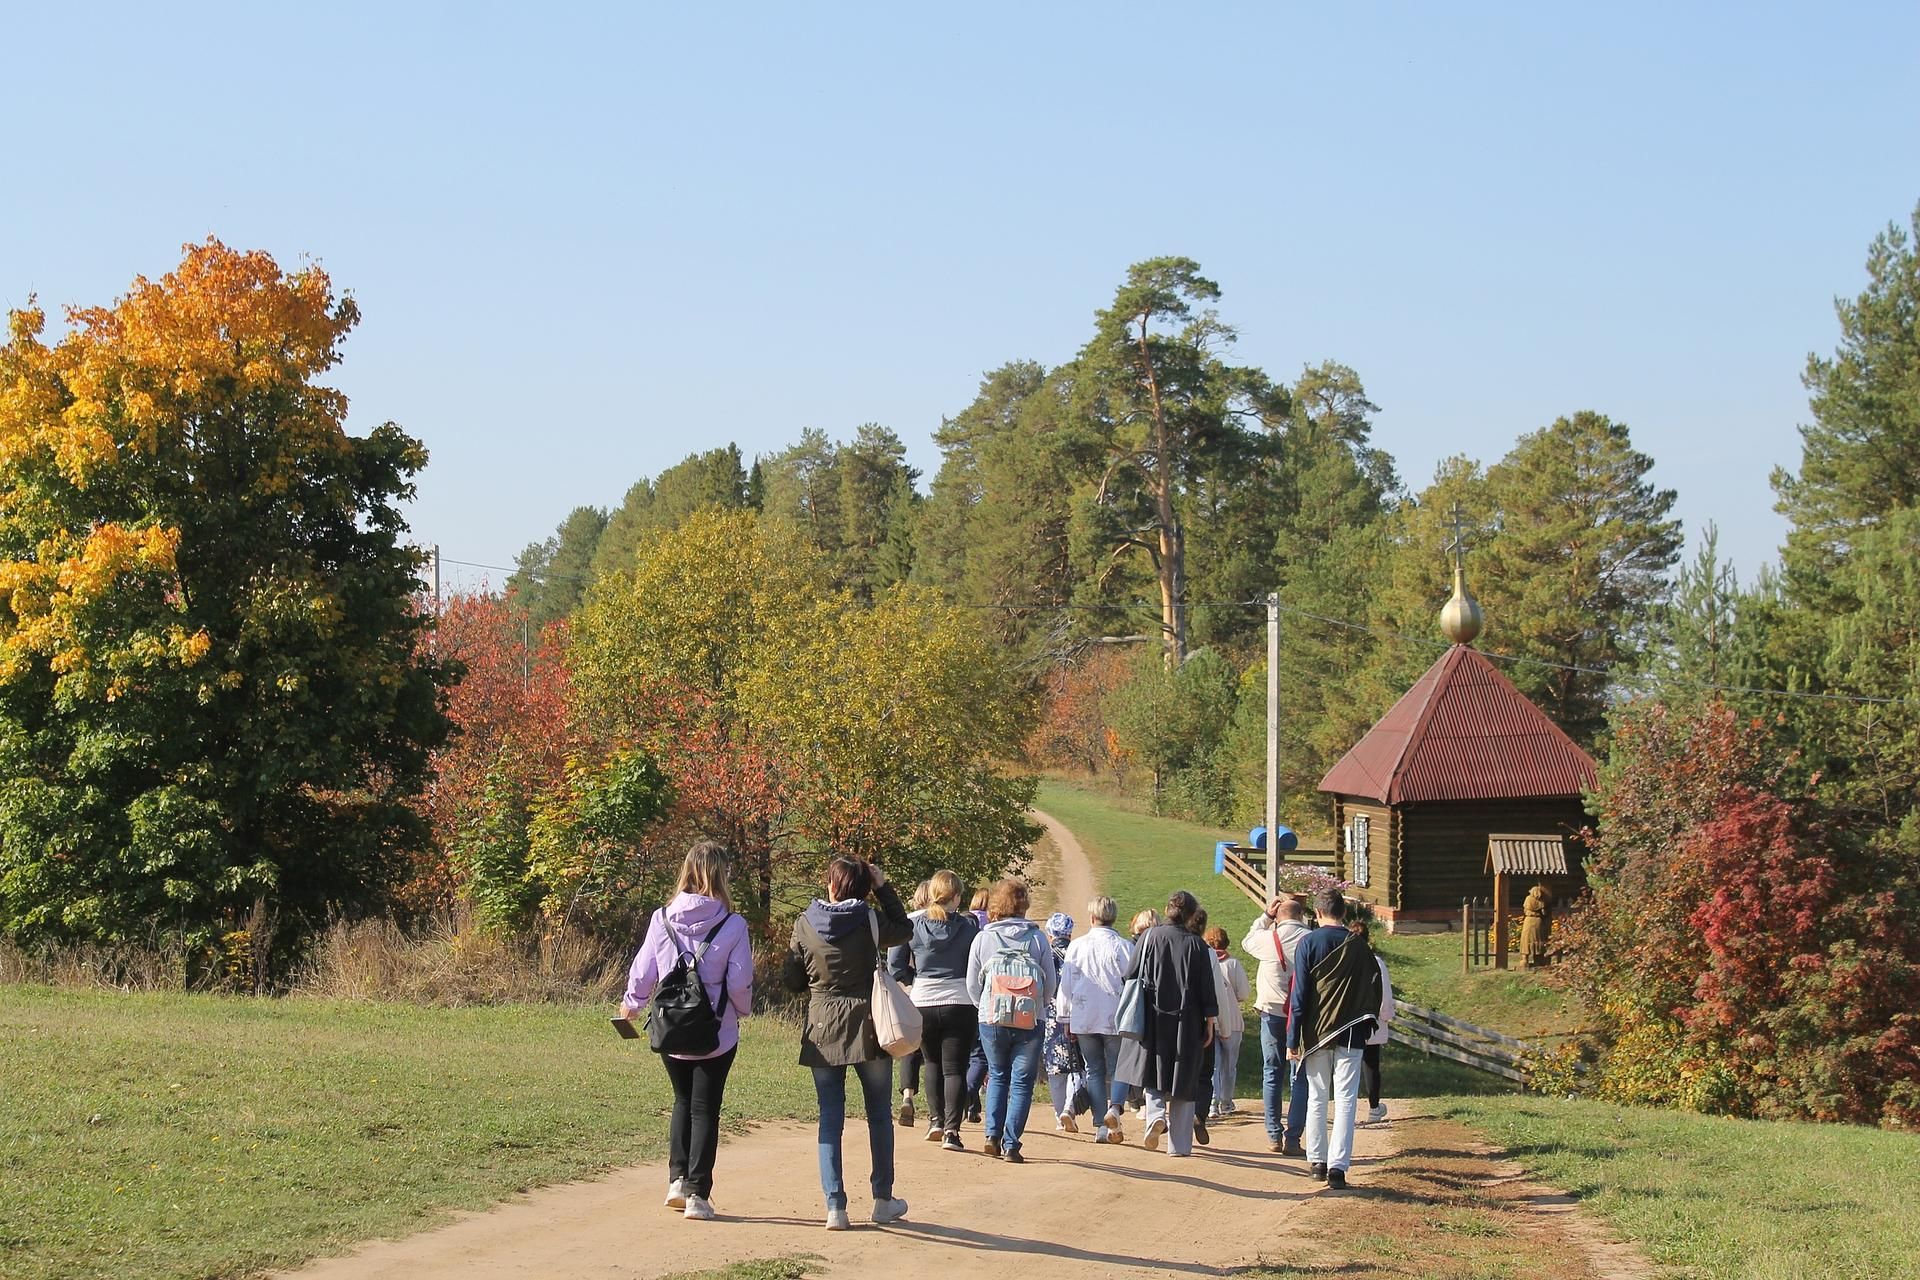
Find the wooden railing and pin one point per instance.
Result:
(1434, 1033)
(1246, 867)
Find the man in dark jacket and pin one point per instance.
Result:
(1334, 1001)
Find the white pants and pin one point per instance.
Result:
(1334, 1072)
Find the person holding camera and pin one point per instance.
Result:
(835, 948)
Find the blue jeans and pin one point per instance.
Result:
(876, 1091)
(1013, 1060)
(1273, 1073)
(1297, 1102)
(1102, 1055)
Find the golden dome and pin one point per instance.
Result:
(1461, 618)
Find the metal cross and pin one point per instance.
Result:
(1457, 545)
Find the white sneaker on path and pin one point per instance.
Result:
(837, 1220)
(1151, 1139)
(885, 1211)
(699, 1209)
(677, 1194)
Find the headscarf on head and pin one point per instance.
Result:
(1060, 925)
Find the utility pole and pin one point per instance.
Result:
(436, 579)
(1273, 745)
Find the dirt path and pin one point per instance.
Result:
(1064, 871)
(1081, 1209)
(1073, 1210)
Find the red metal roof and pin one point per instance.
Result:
(1463, 732)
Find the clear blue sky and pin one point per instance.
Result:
(588, 243)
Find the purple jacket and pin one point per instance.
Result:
(688, 918)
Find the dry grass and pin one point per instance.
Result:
(445, 961)
(451, 962)
(160, 966)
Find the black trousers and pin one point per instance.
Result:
(948, 1033)
(910, 1071)
(698, 1088)
(1370, 1073)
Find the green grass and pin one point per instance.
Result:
(1426, 971)
(178, 1135)
(800, 1267)
(1752, 1200)
(1139, 859)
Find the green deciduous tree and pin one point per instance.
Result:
(215, 702)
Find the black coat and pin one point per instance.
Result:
(1176, 968)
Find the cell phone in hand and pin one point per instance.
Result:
(625, 1027)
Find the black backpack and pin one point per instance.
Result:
(679, 1019)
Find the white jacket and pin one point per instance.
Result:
(1230, 985)
(1379, 1035)
(1273, 946)
(1097, 964)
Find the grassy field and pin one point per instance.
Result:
(177, 1135)
(1426, 971)
(1720, 1197)
(1138, 859)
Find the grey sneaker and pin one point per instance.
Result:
(1378, 1114)
(699, 1209)
(837, 1220)
(677, 1194)
(889, 1210)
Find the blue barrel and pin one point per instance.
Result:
(1288, 840)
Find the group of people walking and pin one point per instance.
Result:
(1150, 1023)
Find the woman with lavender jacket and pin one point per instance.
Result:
(699, 1083)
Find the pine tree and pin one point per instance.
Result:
(1173, 418)
(552, 574)
(1580, 564)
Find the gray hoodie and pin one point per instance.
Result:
(1013, 932)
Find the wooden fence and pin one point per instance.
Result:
(1435, 1033)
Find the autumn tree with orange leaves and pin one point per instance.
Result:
(214, 711)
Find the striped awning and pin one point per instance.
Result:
(1527, 855)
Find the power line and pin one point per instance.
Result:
(1513, 659)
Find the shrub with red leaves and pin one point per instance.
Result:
(1743, 955)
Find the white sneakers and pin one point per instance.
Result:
(698, 1208)
(1066, 1124)
(1151, 1139)
(884, 1211)
(1377, 1114)
(1112, 1122)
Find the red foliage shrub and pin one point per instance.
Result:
(1744, 956)
(509, 710)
